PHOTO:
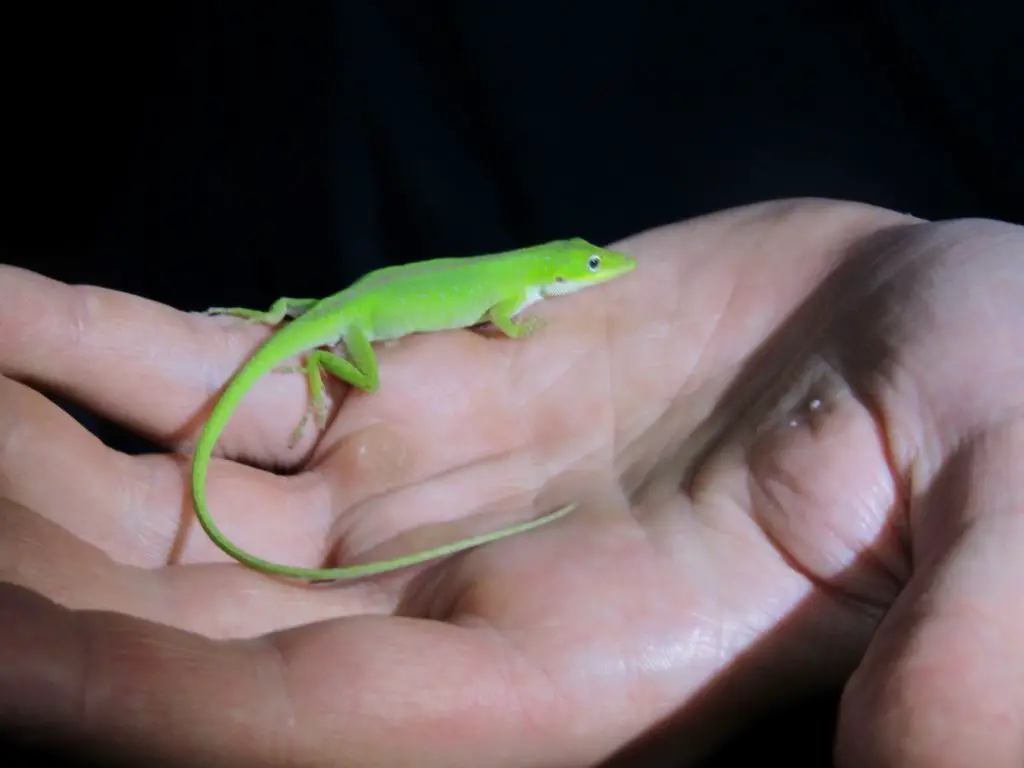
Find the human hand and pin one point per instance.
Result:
(768, 458)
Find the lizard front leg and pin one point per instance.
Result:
(502, 315)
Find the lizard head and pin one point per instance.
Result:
(575, 264)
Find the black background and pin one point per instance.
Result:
(207, 153)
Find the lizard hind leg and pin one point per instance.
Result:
(359, 371)
(316, 407)
(279, 310)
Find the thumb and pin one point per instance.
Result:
(942, 683)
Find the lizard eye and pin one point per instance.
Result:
(593, 262)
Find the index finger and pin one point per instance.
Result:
(137, 362)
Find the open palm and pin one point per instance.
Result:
(747, 421)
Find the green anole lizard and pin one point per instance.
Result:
(443, 294)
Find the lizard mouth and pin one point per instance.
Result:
(561, 287)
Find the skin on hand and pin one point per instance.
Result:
(795, 432)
